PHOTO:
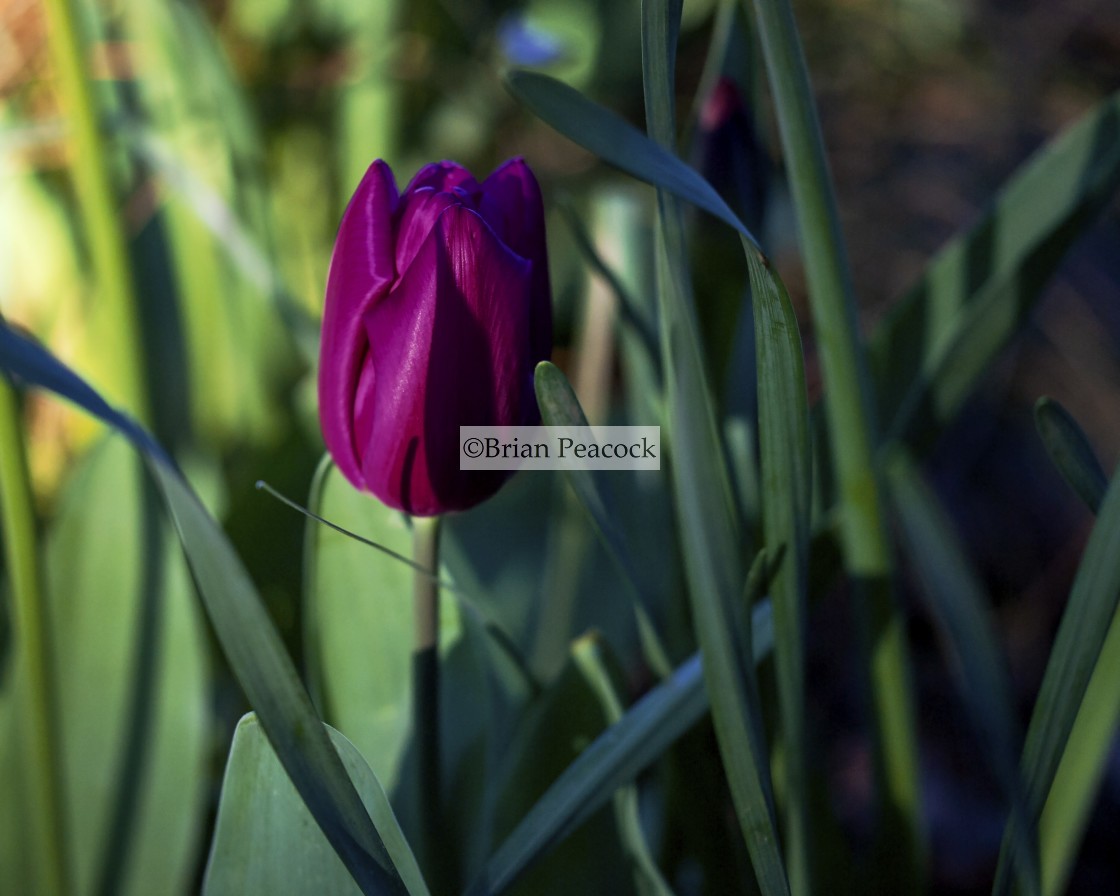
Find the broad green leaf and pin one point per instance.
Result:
(267, 844)
(360, 622)
(644, 732)
(783, 418)
(131, 679)
(962, 612)
(1069, 448)
(360, 641)
(1077, 647)
(247, 636)
(931, 349)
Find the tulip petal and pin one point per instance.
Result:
(442, 177)
(418, 212)
(449, 344)
(361, 273)
(513, 189)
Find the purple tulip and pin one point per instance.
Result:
(438, 309)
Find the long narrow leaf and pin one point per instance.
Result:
(701, 485)
(1077, 781)
(617, 142)
(1085, 623)
(588, 655)
(246, 633)
(783, 414)
(929, 352)
(560, 407)
(39, 819)
(614, 758)
(853, 438)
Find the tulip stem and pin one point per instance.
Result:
(425, 689)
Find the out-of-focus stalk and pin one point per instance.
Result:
(35, 670)
(101, 222)
(850, 413)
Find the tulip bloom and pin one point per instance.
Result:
(437, 311)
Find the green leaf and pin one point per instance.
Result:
(131, 679)
(613, 759)
(616, 142)
(549, 736)
(783, 414)
(360, 622)
(594, 662)
(360, 641)
(931, 349)
(33, 854)
(1069, 448)
(961, 609)
(1068, 808)
(1077, 646)
(247, 636)
(267, 843)
(852, 440)
(707, 520)
(560, 407)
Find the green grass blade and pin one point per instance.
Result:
(264, 838)
(101, 221)
(961, 609)
(643, 733)
(853, 437)
(245, 631)
(616, 142)
(42, 767)
(701, 485)
(1081, 635)
(783, 410)
(1066, 812)
(588, 655)
(560, 407)
(1069, 448)
(929, 352)
(1065, 816)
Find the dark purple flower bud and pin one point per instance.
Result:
(438, 309)
(729, 155)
